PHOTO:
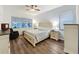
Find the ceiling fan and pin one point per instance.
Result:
(32, 8)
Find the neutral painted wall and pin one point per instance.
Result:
(54, 15)
(77, 14)
(12, 10)
(1, 15)
(7, 11)
(15, 11)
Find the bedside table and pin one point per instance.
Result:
(54, 35)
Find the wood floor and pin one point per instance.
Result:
(48, 46)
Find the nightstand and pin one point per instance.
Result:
(54, 35)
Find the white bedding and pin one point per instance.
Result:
(38, 34)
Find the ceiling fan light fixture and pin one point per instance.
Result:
(32, 10)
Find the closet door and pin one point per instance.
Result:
(71, 38)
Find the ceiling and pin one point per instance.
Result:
(22, 9)
(55, 12)
(43, 8)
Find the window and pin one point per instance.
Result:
(21, 22)
(66, 18)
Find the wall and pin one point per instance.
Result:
(15, 11)
(7, 11)
(77, 14)
(1, 15)
(55, 22)
(54, 16)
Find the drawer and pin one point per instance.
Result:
(54, 35)
(4, 37)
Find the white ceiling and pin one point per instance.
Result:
(55, 12)
(22, 9)
(43, 8)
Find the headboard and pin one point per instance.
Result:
(45, 24)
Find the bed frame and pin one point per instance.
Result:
(32, 40)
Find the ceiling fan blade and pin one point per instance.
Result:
(36, 6)
(37, 9)
(27, 9)
(27, 5)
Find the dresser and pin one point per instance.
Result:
(54, 35)
(71, 38)
(4, 43)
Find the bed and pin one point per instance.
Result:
(34, 36)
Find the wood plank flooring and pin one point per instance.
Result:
(48, 46)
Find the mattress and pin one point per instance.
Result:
(38, 34)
